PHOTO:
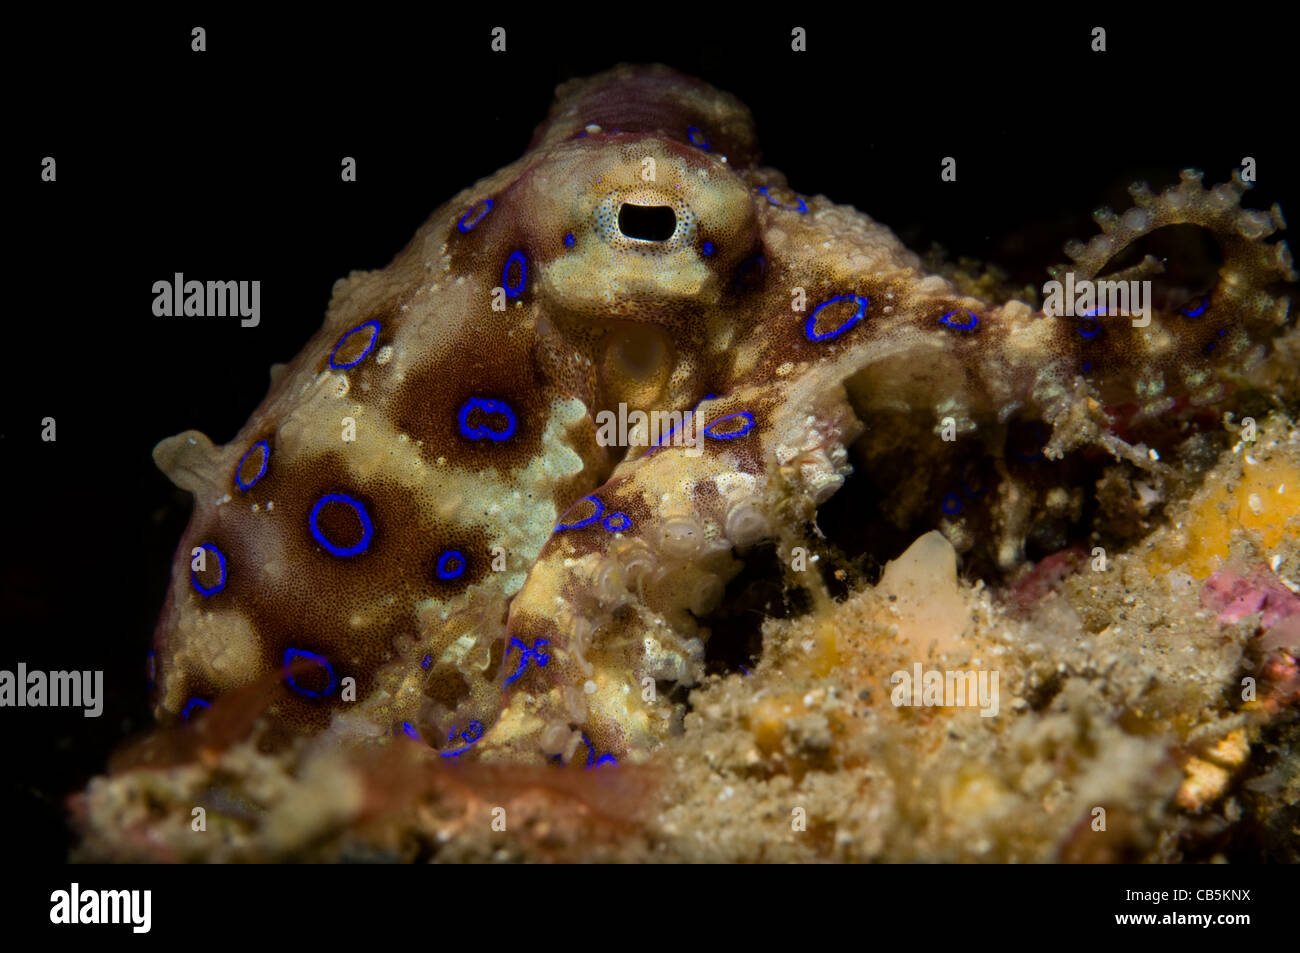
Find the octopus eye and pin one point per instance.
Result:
(647, 223)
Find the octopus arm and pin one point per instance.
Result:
(617, 603)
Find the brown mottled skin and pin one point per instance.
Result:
(710, 316)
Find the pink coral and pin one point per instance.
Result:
(1234, 595)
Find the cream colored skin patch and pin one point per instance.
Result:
(431, 530)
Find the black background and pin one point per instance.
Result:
(226, 164)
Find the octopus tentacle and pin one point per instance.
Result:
(618, 594)
(596, 590)
(1195, 349)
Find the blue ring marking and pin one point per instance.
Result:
(205, 592)
(487, 407)
(451, 555)
(266, 458)
(749, 425)
(191, 705)
(367, 527)
(592, 760)
(426, 661)
(1199, 309)
(464, 225)
(525, 653)
(1087, 366)
(664, 438)
(472, 733)
(810, 326)
(706, 248)
(624, 522)
(291, 655)
(410, 731)
(952, 504)
(569, 240)
(374, 336)
(1089, 335)
(514, 291)
(971, 325)
(599, 511)
(801, 208)
(697, 137)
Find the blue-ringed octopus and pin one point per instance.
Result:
(424, 528)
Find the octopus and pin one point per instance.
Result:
(493, 502)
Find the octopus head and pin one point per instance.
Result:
(636, 207)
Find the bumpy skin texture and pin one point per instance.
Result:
(496, 580)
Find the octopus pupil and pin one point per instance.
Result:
(647, 223)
